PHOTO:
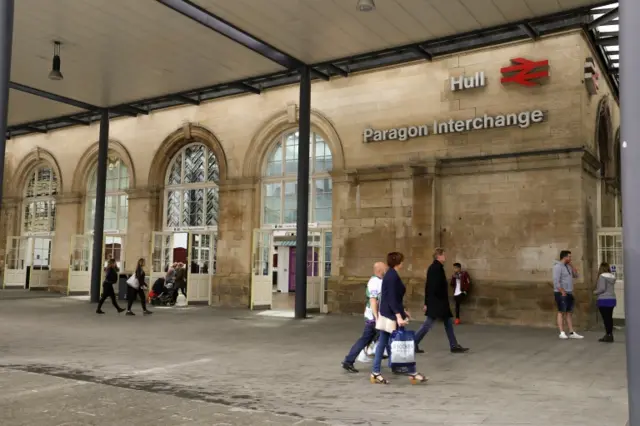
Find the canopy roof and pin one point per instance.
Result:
(139, 56)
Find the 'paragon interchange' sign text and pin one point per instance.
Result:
(523, 120)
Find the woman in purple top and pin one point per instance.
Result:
(392, 308)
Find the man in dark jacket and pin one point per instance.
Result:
(436, 303)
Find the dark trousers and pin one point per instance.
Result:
(607, 318)
(459, 298)
(132, 293)
(107, 291)
(428, 323)
(368, 336)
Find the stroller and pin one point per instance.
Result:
(162, 293)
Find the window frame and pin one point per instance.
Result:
(89, 215)
(50, 198)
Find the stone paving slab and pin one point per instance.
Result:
(63, 365)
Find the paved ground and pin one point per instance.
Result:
(60, 364)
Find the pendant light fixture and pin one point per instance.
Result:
(55, 73)
(366, 5)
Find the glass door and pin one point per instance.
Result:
(315, 283)
(200, 266)
(15, 271)
(261, 279)
(80, 264)
(40, 263)
(161, 255)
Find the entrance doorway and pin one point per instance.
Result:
(28, 262)
(274, 272)
(80, 259)
(197, 250)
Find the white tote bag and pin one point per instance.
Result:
(133, 282)
(363, 357)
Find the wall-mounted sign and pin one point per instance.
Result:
(591, 76)
(525, 72)
(463, 82)
(522, 119)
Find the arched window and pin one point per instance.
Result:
(39, 202)
(280, 187)
(116, 202)
(191, 189)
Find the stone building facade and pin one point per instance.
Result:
(503, 201)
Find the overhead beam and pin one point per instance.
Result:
(77, 121)
(52, 96)
(245, 88)
(319, 74)
(35, 129)
(338, 70)
(608, 41)
(423, 52)
(604, 19)
(219, 25)
(185, 99)
(529, 30)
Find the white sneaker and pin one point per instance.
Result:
(563, 336)
(575, 335)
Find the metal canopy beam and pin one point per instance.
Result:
(338, 70)
(52, 96)
(227, 29)
(604, 19)
(245, 88)
(608, 41)
(528, 29)
(185, 99)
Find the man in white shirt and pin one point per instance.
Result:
(374, 287)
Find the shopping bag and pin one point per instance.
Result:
(133, 282)
(371, 349)
(403, 352)
(363, 357)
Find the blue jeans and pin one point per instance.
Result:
(367, 337)
(384, 341)
(428, 323)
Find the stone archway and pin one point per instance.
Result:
(280, 122)
(90, 158)
(34, 158)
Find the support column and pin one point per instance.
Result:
(98, 227)
(630, 108)
(302, 220)
(6, 44)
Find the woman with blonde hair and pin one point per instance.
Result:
(606, 293)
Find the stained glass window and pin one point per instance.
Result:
(191, 192)
(116, 201)
(39, 213)
(280, 189)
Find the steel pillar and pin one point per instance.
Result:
(6, 44)
(302, 220)
(97, 262)
(630, 146)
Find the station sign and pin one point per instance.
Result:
(525, 72)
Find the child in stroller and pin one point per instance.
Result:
(162, 293)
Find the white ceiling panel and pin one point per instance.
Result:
(118, 51)
(25, 108)
(320, 30)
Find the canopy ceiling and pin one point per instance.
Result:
(148, 54)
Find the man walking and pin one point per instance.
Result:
(461, 284)
(563, 274)
(374, 287)
(436, 303)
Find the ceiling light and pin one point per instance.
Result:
(55, 73)
(366, 5)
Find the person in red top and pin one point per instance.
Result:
(461, 283)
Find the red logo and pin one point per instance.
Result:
(523, 71)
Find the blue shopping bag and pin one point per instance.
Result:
(403, 350)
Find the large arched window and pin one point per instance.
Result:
(280, 188)
(39, 202)
(116, 201)
(191, 189)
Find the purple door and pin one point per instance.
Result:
(292, 269)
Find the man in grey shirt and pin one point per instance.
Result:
(563, 274)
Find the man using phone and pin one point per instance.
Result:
(563, 274)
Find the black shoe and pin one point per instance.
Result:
(607, 339)
(147, 313)
(129, 313)
(349, 367)
(419, 351)
(459, 350)
(99, 311)
(120, 310)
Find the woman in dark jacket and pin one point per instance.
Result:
(436, 303)
(110, 278)
(132, 293)
(392, 309)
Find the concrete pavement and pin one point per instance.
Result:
(60, 364)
